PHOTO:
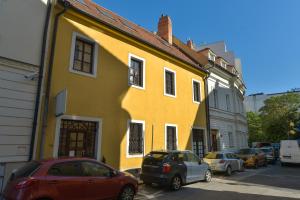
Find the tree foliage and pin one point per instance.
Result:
(276, 119)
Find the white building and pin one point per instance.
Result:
(254, 102)
(226, 89)
(21, 37)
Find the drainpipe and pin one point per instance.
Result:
(40, 80)
(66, 5)
(207, 113)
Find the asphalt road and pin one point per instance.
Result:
(267, 183)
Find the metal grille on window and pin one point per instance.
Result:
(77, 138)
(83, 56)
(171, 138)
(136, 72)
(170, 83)
(196, 91)
(136, 138)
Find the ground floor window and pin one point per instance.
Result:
(136, 138)
(77, 138)
(171, 137)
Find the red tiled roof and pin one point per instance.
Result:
(117, 22)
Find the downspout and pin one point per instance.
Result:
(207, 113)
(40, 80)
(66, 5)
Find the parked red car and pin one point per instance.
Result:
(69, 178)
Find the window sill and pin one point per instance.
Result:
(83, 73)
(170, 95)
(196, 102)
(134, 156)
(137, 87)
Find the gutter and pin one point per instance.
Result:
(66, 5)
(40, 80)
(207, 113)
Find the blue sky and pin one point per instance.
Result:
(265, 34)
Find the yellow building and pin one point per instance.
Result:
(119, 91)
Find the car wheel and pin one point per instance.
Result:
(228, 171)
(208, 176)
(127, 193)
(176, 183)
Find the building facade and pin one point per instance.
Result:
(118, 91)
(20, 61)
(225, 91)
(254, 102)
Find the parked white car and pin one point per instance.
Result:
(226, 162)
(289, 151)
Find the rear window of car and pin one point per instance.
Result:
(155, 158)
(66, 169)
(25, 171)
(212, 155)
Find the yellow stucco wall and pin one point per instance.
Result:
(109, 96)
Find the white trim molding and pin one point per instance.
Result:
(200, 95)
(98, 141)
(175, 90)
(176, 128)
(130, 55)
(127, 138)
(95, 55)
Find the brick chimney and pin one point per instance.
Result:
(190, 44)
(165, 28)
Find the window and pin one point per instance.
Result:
(95, 169)
(135, 138)
(227, 102)
(136, 71)
(216, 100)
(66, 169)
(192, 158)
(171, 137)
(83, 58)
(77, 138)
(170, 83)
(196, 91)
(211, 56)
(223, 64)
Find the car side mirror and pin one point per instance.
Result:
(113, 173)
(200, 162)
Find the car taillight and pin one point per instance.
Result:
(166, 168)
(222, 161)
(25, 183)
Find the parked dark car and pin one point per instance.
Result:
(174, 168)
(69, 178)
(270, 154)
(253, 157)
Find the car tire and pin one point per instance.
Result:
(127, 193)
(228, 171)
(208, 176)
(176, 183)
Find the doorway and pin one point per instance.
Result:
(198, 142)
(214, 139)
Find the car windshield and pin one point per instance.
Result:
(246, 151)
(266, 150)
(26, 170)
(213, 155)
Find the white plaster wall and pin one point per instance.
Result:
(21, 29)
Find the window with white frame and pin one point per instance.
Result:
(171, 137)
(230, 138)
(211, 56)
(136, 71)
(223, 64)
(170, 82)
(216, 98)
(228, 106)
(196, 91)
(135, 138)
(83, 58)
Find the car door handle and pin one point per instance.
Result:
(53, 182)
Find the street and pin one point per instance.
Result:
(267, 183)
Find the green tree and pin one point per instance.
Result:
(278, 115)
(255, 128)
